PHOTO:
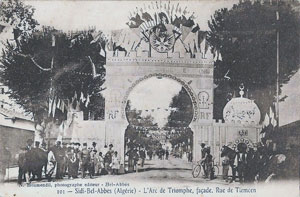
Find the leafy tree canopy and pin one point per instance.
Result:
(245, 35)
(183, 114)
(44, 68)
(18, 15)
(51, 66)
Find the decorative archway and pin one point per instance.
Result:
(144, 55)
(180, 81)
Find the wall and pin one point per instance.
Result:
(218, 134)
(14, 139)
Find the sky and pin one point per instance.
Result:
(146, 95)
(112, 15)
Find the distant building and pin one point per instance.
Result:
(16, 127)
(290, 134)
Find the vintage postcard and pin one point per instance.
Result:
(149, 98)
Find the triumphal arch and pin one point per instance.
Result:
(158, 47)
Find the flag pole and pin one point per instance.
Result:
(277, 66)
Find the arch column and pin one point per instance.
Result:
(115, 131)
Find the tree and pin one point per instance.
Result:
(49, 67)
(245, 35)
(183, 115)
(179, 119)
(18, 15)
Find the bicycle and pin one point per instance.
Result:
(197, 169)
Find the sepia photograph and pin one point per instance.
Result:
(149, 98)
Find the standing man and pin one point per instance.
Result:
(208, 162)
(142, 156)
(38, 161)
(135, 157)
(44, 149)
(130, 159)
(59, 156)
(64, 163)
(29, 158)
(85, 160)
(22, 166)
(93, 162)
(108, 158)
(77, 152)
(203, 155)
(241, 161)
(167, 154)
(225, 167)
(150, 154)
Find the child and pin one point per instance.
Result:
(115, 163)
(225, 165)
(99, 164)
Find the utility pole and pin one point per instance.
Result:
(277, 66)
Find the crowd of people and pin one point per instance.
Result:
(65, 159)
(252, 164)
(247, 164)
(73, 160)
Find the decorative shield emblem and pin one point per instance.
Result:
(162, 38)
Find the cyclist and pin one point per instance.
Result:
(208, 161)
(203, 155)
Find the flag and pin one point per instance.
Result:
(219, 56)
(77, 106)
(82, 99)
(202, 45)
(234, 39)
(196, 29)
(226, 75)
(53, 40)
(54, 107)
(87, 101)
(266, 121)
(271, 114)
(274, 122)
(61, 128)
(62, 106)
(216, 55)
(50, 106)
(74, 97)
(96, 39)
(58, 104)
(102, 52)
